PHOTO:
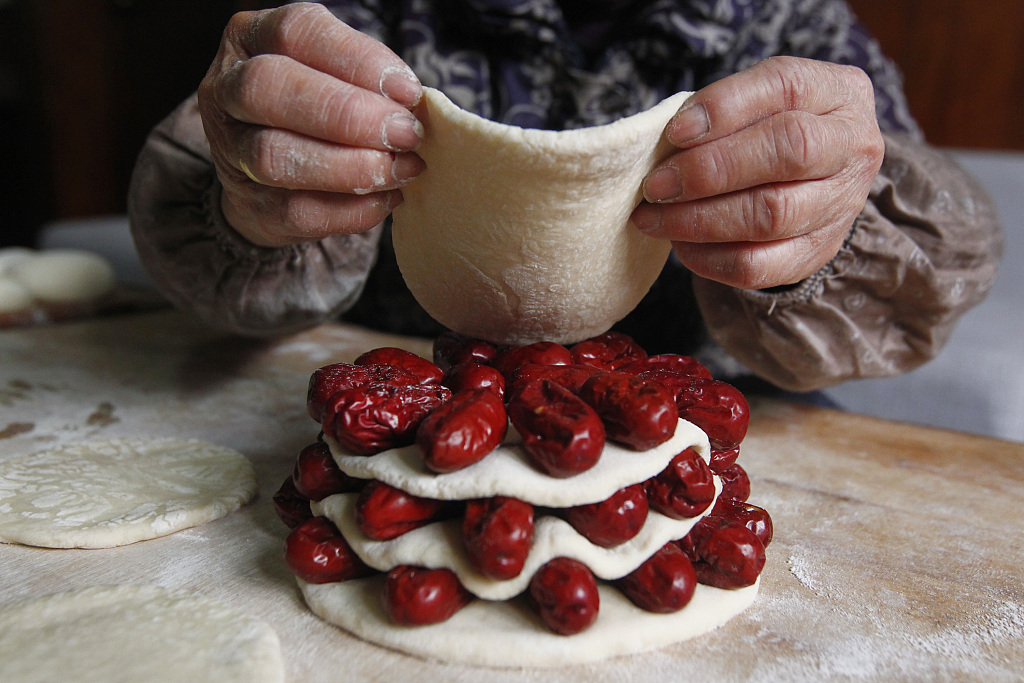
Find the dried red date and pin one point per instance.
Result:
(664, 583)
(469, 376)
(735, 483)
(317, 553)
(757, 519)
(384, 512)
(721, 459)
(669, 362)
(564, 593)
(462, 431)
(317, 476)
(684, 489)
(368, 420)
(571, 377)
(724, 556)
(539, 353)
(719, 409)
(452, 348)
(636, 413)
(497, 533)
(325, 382)
(608, 351)
(291, 506)
(612, 521)
(562, 435)
(416, 596)
(421, 368)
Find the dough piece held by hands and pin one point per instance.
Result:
(520, 235)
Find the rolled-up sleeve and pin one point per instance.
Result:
(923, 251)
(202, 265)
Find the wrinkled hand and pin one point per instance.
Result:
(774, 164)
(309, 124)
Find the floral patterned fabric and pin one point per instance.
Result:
(529, 63)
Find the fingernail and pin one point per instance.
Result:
(406, 167)
(647, 218)
(689, 123)
(401, 85)
(663, 185)
(401, 132)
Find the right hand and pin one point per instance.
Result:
(310, 125)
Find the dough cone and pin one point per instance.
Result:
(519, 235)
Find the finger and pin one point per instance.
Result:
(792, 145)
(775, 85)
(760, 214)
(759, 265)
(280, 158)
(278, 92)
(284, 217)
(311, 35)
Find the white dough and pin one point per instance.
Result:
(65, 276)
(506, 471)
(440, 545)
(14, 296)
(520, 235)
(112, 493)
(12, 256)
(508, 634)
(133, 633)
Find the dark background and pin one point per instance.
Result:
(83, 81)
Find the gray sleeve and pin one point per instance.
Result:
(923, 251)
(202, 265)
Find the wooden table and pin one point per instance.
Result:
(898, 551)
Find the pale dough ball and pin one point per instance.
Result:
(518, 235)
(65, 276)
(13, 296)
(12, 256)
(135, 633)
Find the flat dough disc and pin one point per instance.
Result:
(111, 493)
(508, 634)
(134, 633)
(519, 235)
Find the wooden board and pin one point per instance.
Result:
(897, 556)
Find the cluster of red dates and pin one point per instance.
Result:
(565, 403)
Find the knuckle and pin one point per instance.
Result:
(267, 158)
(305, 215)
(770, 211)
(251, 81)
(293, 24)
(714, 172)
(748, 269)
(796, 143)
(791, 77)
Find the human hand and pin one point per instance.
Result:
(309, 125)
(774, 165)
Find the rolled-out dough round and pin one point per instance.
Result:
(509, 634)
(104, 494)
(519, 235)
(13, 296)
(106, 634)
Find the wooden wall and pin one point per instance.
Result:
(81, 84)
(963, 66)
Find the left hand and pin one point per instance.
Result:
(774, 164)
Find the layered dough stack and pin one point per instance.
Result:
(497, 621)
